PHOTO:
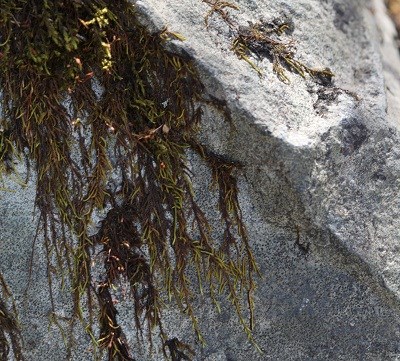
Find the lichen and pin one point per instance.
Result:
(105, 117)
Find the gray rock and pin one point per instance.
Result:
(319, 190)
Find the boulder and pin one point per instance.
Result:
(318, 186)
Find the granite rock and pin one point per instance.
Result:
(319, 189)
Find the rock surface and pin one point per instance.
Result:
(319, 189)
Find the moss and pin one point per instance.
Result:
(263, 40)
(9, 329)
(221, 8)
(105, 117)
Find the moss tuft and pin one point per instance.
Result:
(262, 40)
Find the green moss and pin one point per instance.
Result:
(88, 97)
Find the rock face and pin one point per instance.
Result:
(319, 189)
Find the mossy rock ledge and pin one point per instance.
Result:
(224, 174)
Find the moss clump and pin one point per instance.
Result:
(105, 116)
(262, 40)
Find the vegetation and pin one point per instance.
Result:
(105, 117)
(9, 327)
(258, 40)
(263, 40)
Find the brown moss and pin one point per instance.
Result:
(105, 116)
(263, 40)
(9, 329)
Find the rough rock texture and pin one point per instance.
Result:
(319, 189)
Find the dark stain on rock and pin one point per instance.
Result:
(345, 14)
(354, 133)
(326, 97)
(379, 176)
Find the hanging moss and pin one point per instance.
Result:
(9, 330)
(105, 117)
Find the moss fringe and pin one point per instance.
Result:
(105, 116)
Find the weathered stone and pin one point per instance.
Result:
(319, 189)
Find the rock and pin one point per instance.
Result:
(319, 189)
